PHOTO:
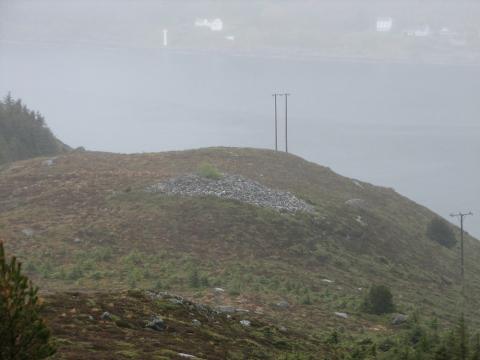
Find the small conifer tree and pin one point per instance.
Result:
(379, 300)
(194, 279)
(23, 334)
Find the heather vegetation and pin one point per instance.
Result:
(306, 282)
(421, 339)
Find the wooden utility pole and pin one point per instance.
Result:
(461, 216)
(276, 122)
(286, 121)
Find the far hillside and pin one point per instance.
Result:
(24, 133)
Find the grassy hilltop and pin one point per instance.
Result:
(83, 222)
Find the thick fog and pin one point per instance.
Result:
(383, 91)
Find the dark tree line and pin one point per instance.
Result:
(24, 133)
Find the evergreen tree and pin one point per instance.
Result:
(24, 133)
(379, 300)
(23, 334)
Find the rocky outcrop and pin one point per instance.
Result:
(233, 187)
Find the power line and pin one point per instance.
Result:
(461, 216)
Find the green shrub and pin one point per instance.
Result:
(379, 300)
(158, 285)
(97, 275)
(23, 334)
(441, 232)
(194, 279)
(101, 254)
(75, 273)
(306, 299)
(209, 171)
(134, 258)
(134, 276)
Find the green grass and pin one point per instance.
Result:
(209, 171)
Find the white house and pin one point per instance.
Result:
(384, 24)
(420, 32)
(214, 25)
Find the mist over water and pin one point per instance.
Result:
(407, 125)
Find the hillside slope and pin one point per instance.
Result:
(84, 221)
(113, 326)
(24, 134)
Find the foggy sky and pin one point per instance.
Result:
(391, 110)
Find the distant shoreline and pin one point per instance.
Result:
(269, 53)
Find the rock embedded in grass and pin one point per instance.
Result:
(28, 232)
(156, 324)
(283, 304)
(232, 187)
(245, 323)
(106, 316)
(399, 319)
(357, 203)
(342, 315)
(225, 309)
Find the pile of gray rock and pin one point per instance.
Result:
(232, 187)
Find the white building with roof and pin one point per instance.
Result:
(384, 24)
(214, 25)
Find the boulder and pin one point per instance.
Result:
(106, 316)
(242, 310)
(224, 309)
(399, 319)
(342, 315)
(156, 324)
(282, 304)
(245, 323)
(28, 232)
